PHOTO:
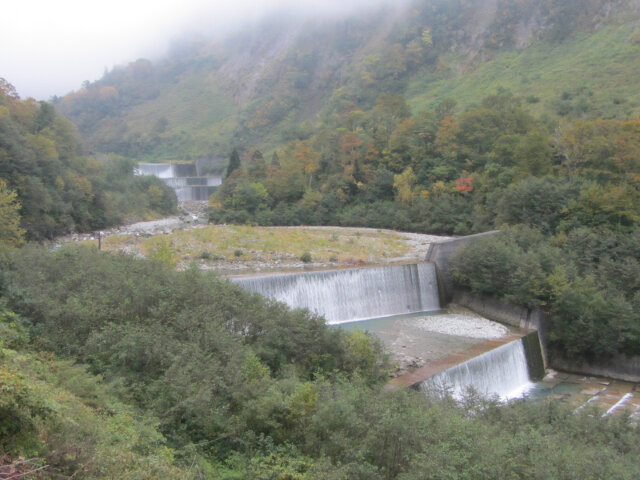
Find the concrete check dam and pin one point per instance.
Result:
(359, 294)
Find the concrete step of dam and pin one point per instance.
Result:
(612, 397)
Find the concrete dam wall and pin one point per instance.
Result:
(354, 293)
(190, 181)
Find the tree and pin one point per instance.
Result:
(8, 90)
(626, 157)
(234, 163)
(306, 159)
(257, 167)
(45, 117)
(404, 183)
(538, 202)
(11, 234)
(464, 184)
(446, 108)
(586, 144)
(534, 154)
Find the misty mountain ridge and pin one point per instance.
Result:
(283, 78)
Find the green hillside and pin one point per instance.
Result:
(282, 80)
(589, 74)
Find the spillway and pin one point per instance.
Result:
(186, 179)
(366, 293)
(353, 294)
(503, 371)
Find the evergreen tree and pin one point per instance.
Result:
(257, 167)
(234, 162)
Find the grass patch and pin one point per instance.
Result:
(325, 245)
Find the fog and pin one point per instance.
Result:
(50, 47)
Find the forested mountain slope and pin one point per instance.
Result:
(290, 75)
(47, 188)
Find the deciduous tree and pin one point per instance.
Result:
(11, 234)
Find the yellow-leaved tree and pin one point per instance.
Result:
(11, 234)
(404, 184)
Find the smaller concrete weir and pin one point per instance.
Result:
(503, 371)
(354, 293)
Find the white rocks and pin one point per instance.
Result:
(462, 325)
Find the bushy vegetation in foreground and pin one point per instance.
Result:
(199, 379)
(59, 421)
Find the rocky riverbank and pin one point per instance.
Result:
(190, 215)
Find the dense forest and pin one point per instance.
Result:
(438, 116)
(52, 189)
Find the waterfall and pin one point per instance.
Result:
(184, 178)
(194, 193)
(503, 372)
(160, 170)
(354, 294)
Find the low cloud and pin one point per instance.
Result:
(49, 48)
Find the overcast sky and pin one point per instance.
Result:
(49, 47)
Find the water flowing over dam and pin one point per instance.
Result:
(188, 180)
(503, 366)
(503, 371)
(353, 294)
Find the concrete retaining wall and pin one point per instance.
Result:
(620, 367)
(495, 309)
(440, 254)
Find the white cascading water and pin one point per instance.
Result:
(160, 170)
(354, 294)
(184, 179)
(503, 372)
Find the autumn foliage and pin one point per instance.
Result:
(464, 184)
